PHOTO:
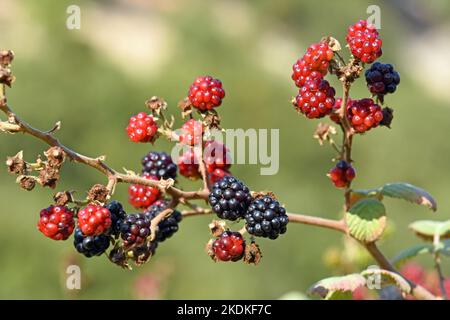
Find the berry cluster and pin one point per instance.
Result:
(364, 114)
(94, 220)
(316, 99)
(141, 197)
(90, 246)
(230, 198)
(142, 128)
(206, 93)
(364, 41)
(135, 228)
(230, 246)
(342, 175)
(56, 222)
(382, 79)
(159, 165)
(266, 218)
(169, 225)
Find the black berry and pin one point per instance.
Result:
(90, 246)
(168, 226)
(229, 198)
(134, 229)
(382, 79)
(160, 165)
(118, 214)
(266, 218)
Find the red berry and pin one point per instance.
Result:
(315, 99)
(206, 93)
(216, 155)
(142, 128)
(364, 41)
(94, 220)
(229, 246)
(56, 222)
(188, 165)
(142, 197)
(217, 175)
(342, 174)
(364, 114)
(191, 132)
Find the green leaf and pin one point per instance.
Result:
(335, 287)
(410, 193)
(412, 252)
(339, 295)
(366, 220)
(385, 278)
(427, 229)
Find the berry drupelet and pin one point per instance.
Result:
(94, 220)
(141, 197)
(117, 216)
(230, 246)
(206, 93)
(315, 99)
(169, 225)
(382, 79)
(90, 246)
(266, 218)
(56, 222)
(364, 41)
(159, 165)
(134, 229)
(142, 128)
(229, 198)
(342, 175)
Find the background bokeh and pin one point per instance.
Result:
(93, 79)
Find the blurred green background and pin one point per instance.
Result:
(94, 78)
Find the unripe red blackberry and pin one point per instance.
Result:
(169, 225)
(266, 218)
(302, 72)
(216, 155)
(217, 174)
(192, 132)
(206, 93)
(342, 175)
(382, 79)
(56, 222)
(142, 128)
(134, 229)
(364, 41)
(229, 198)
(142, 197)
(159, 165)
(315, 99)
(364, 114)
(94, 220)
(230, 246)
(188, 165)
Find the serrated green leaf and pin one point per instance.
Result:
(327, 287)
(410, 193)
(427, 229)
(366, 220)
(387, 278)
(410, 253)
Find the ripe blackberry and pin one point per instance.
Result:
(191, 132)
(142, 128)
(230, 246)
(206, 93)
(382, 79)
(134, 229)
(117, 216)
(142, 197)
(217, 175)
(142, 253)
(315, 99)
(187, 163)
(342, 174)
(94, 220)
(159, 165)
(216, 155)
(229, 198)
(266, 218)
(90, 246)
(364, 41)
(364, 114)
(56, 222)
(169, 225)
